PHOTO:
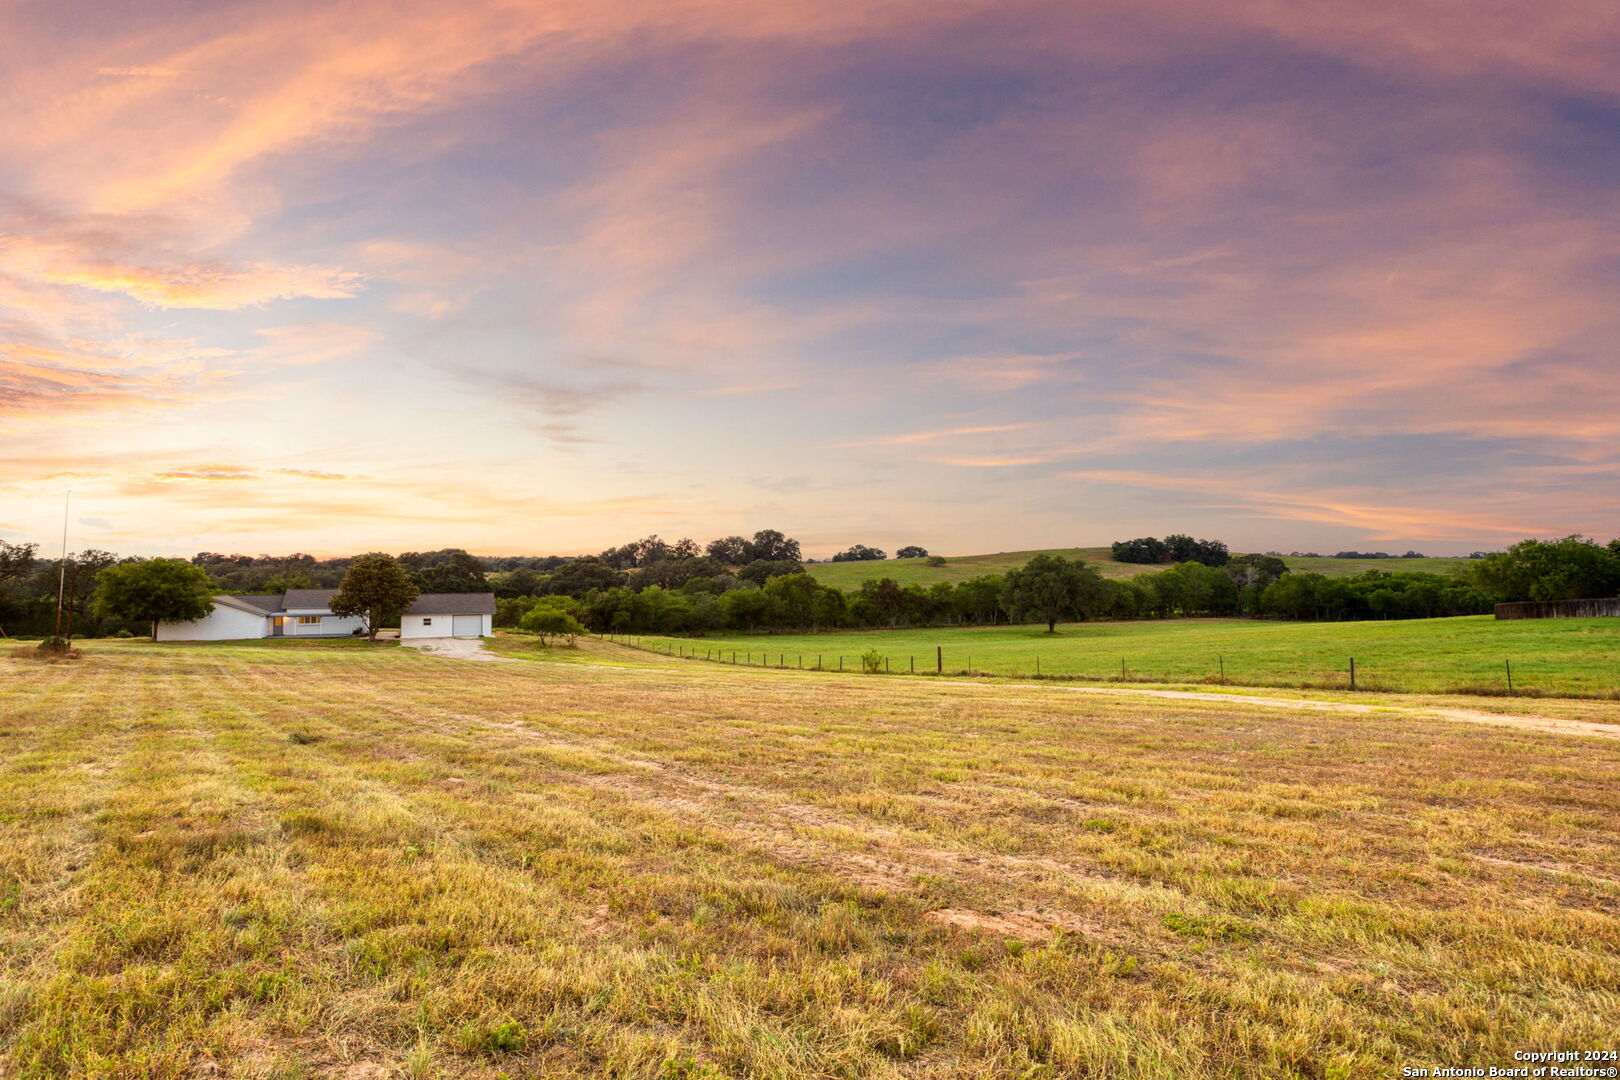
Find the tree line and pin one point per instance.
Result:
(759, 583)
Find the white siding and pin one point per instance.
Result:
(329, 626)
(222, 624)
(426, 626)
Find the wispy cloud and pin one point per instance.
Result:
(217, 287)
(1121, 240)
(911, 437)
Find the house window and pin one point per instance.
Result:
(305, 620)
(427, 621)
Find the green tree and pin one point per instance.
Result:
(524, 581)
(745, 607)
(84, 570)
(547, 622)
(771, 546)
(1572, 568)
(1091, 593)
(153, 590)
(979, 599)
(912, 551)
(376, 588)
(885, 597)
(16, 560)
(728, 550)
(451, 570)
(794, 597)
(1045, 589)
(860, 553)
(1257, 571)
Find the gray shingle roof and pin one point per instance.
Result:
(257, 603)
(473, 603)
(307, 599)
(453, 603)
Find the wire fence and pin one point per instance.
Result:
(1506, 680)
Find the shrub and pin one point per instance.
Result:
(123, 634)
(871, 661)
(936, 560)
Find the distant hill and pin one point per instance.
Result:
(1342, 567)
(849, 575)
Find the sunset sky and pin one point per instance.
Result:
(544, 275)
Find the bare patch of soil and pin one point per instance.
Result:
(1014, 924)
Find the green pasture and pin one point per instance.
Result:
(964, 567)
(849, 575)
(1459, 655)
(1346, 567)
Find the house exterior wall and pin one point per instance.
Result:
(425, 626)
(222, 624)
(329, 626)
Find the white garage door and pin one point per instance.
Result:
(467, 625)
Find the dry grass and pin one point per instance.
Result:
(252, 862)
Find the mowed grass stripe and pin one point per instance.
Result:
(597, 872)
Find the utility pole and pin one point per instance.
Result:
(61, 567)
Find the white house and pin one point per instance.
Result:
(308, 613)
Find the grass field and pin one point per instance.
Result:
(849, 575)
(1553, 656)
(234, 861)
(963, 567)
(1345, 567)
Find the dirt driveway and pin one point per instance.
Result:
(459, 648)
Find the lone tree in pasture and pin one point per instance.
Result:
(153, 590)
(912, 551)
(548, 622)
(376, 588)
(1047, 587)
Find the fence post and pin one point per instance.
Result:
(1222, 659)
(1509, 664)
(885, 665)
(840, 663)
(939, 659)
(1352, 673)
(914, 665)
(1122, 668)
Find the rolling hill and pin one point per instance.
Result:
(849, 575)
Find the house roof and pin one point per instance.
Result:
(255, 603)
(320, 600)
(451, 603)
(307, 599)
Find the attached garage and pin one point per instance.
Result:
(463, 615)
